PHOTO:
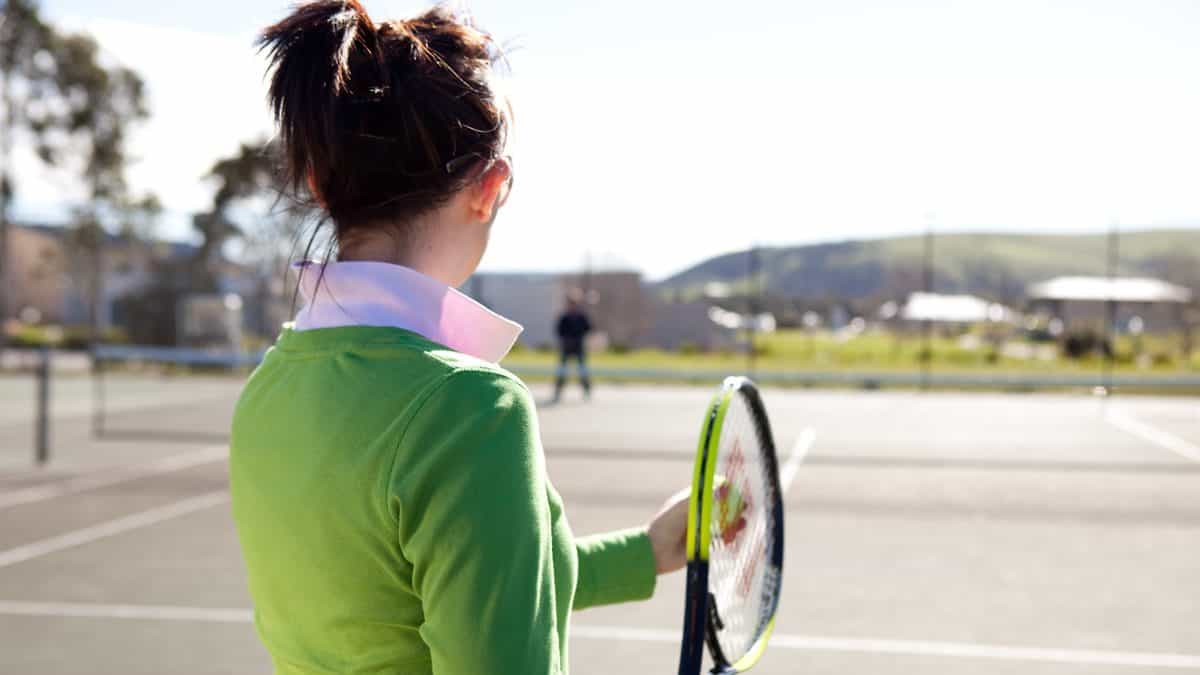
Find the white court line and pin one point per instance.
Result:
(87, 535)
(799, 452)
(586, 632)
(920, 648)
(147, 612)
(1163, 439)
(39, 493)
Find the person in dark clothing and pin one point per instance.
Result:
(572, 329)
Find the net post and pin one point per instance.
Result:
(1110, 311)
(98, 393)
(926, 357)
(42, 433)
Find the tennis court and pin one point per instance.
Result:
(926, 533)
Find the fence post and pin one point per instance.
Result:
(99, 404)
(42, 437)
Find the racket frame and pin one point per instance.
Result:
(699, 618)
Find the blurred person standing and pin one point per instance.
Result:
(572, 329)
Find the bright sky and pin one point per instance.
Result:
(658, 134)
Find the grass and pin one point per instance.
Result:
(797, 351)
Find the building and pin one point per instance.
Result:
(617, 303)
(532, 300)
(688, 325)
(1086, 301)
(623, 310)
(48, 281)
(36, 276)
(954, 309)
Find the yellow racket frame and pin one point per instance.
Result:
(699, 525)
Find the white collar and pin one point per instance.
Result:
(381, 294)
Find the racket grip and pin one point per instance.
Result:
(695, 619)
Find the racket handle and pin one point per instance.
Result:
(695, 619)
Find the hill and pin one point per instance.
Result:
(998, 266)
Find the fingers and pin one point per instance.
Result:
(668, 533)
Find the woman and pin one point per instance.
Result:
(388, 482)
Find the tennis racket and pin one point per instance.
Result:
(734, 535)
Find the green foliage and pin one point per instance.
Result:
(28, 336)
(31, 336)
(26, 42)
(1162, 360)
(794, 350)
(249, 204)
(1083, 343)
(78, 111)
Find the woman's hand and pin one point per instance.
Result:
(668, 533)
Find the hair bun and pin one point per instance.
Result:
(370, 115)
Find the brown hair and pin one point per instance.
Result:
(381, 122)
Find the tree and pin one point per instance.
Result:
(251, 211)
(250, 205)
(244, 175)
(25, 74)
(78, 112)
(98, 105)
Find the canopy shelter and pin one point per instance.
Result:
(1103, 289)
(954, 309)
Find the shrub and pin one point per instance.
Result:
(1080, 344)
(1162, 359)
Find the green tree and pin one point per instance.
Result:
(26, 73)
(252, 223)
(78, 112)
(98, 106)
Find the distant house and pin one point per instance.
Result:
(37, 275)
(48, 280)
(1158, 305)
(954, 309)
(46, 276)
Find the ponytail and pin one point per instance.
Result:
(311, 53)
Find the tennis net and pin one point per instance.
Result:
(166, 392)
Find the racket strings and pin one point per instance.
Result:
(741, 522)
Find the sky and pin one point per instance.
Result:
(653, 135)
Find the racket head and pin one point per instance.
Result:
(734, 535)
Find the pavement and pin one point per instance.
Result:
(926, 533)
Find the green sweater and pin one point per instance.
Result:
(395, 516)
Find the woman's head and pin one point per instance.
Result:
(393, 128)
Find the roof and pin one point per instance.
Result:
(953, 309)
(1101, 289)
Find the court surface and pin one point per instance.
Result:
(926, 533)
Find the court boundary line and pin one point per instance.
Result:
(109, 477)
(799, 451)
(924, 648)
(600, 632)
(1147, 432)
(73, 610)
(111, 528)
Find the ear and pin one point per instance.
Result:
(486, 192)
